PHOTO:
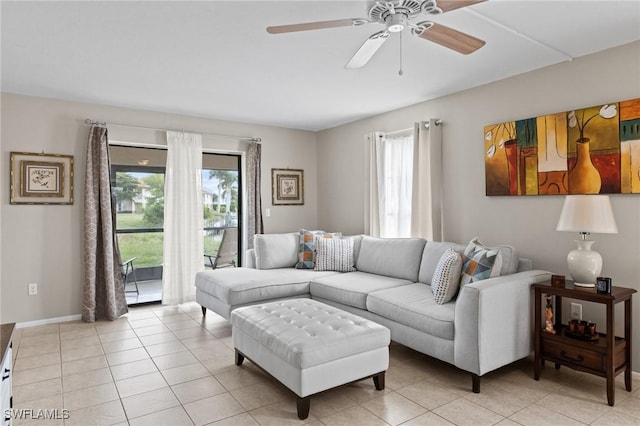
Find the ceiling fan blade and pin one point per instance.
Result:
(452, 39)
(367, 50)
(447, 5)
(278, 29)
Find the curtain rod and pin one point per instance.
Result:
(90, 122)
(426, 125)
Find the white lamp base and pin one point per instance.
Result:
(585, 265)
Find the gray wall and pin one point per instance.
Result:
(43, 244)
(528, 223)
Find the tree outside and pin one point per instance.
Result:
(153, 213)
(127, 188)
(226, 181)
(146, 190)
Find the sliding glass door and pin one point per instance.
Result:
(137, 179)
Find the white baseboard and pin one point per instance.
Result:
(48, 321)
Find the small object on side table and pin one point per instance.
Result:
(557, 280)
(582, 330)
(603, 285)
(548, 325)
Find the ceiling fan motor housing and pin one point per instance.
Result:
(398, 12)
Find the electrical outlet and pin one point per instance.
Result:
(576, 311)
(33, 289)
(267, 212)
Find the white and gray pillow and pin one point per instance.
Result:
(446, 277)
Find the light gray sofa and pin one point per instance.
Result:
(488, 325)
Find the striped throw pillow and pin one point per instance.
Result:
(334, 254)
(446, 277)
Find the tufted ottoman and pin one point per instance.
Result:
(309, 346)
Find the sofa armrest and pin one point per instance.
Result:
(493, 321)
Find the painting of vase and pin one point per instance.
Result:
(594, 150)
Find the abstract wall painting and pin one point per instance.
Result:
(593, 150)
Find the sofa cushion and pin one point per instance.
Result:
(307, 248)
(239, 286)
(276, 250)
(391, 257)
(510, 259)
(446, 278)
(334, 254)
(352, 289)
(431, 255)
(357, 242)
(413, 305)
(480, 262)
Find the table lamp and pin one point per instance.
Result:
(586, 214)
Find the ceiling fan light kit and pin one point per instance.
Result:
(396, 15)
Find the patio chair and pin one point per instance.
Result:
(227, 251)
(127, 268)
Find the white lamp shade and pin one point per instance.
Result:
(587, 213)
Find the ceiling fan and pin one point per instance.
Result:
(396, 16)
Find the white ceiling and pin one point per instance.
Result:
(214, 59)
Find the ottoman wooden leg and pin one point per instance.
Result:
(378, 380)
(239, 357)
(303, 405)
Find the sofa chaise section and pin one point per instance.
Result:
(223, 290)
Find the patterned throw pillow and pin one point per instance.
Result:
(306, 247)
(446, 277)
(334, 254)
(479, 262)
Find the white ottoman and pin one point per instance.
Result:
(309, 346)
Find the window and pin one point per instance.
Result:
(394, 160)
(220, 198)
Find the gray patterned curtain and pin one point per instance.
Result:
(254, 203)
(103, 288)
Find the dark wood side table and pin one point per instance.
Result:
(6, 367)
(606, 357)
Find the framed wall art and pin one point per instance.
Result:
(287, 187)
(41, 178)
(593, 150)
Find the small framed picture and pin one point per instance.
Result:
(287, 187)
(41, 178)
(557, 281)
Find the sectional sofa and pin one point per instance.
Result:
(488, 324)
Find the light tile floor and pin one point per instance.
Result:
(161, 365)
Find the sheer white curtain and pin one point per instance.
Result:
(391, 183)
(183, 221)
(404, 179)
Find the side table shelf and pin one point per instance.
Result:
(6, 367)
(607, 357)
